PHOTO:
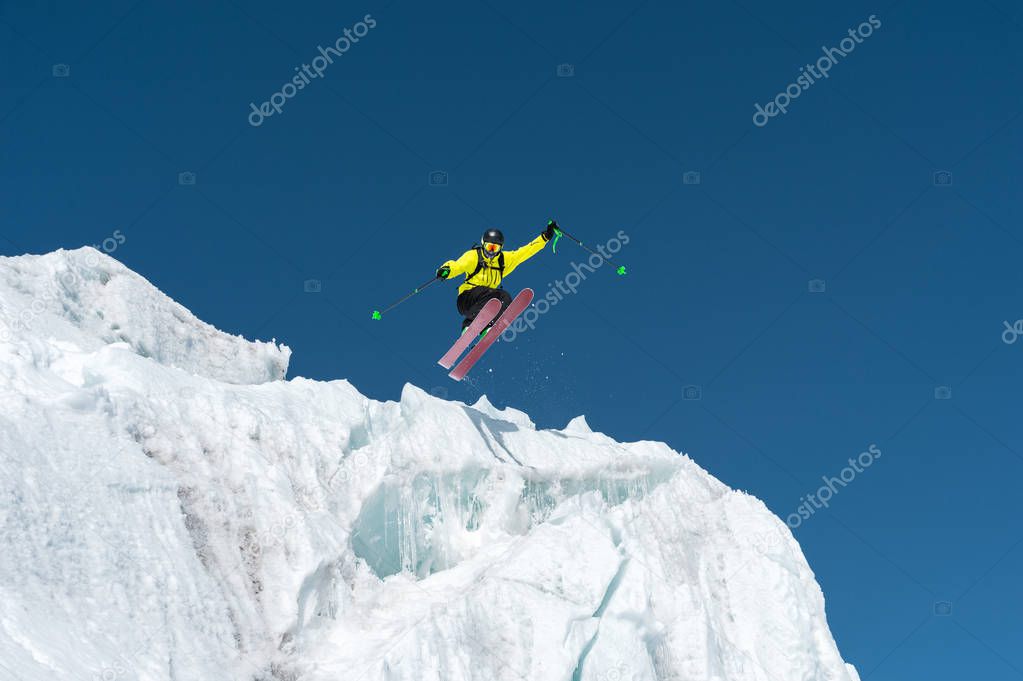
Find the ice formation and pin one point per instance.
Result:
(172, 508)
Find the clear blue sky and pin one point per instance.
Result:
(918, 276)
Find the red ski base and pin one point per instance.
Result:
(516, 308)
(485, 316)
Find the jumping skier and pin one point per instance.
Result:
(481, 300)
(485, 267)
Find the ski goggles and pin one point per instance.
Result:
(490, 247)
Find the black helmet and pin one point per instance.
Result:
(493, 237)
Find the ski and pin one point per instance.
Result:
(485, 316)
(516, 308)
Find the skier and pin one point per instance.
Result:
(485, 266)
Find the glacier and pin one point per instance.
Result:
(173, 507)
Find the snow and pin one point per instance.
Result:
(578, 425)
(172, 508)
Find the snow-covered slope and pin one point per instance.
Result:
(171, 508)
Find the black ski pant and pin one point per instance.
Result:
(472, 301)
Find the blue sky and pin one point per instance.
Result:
(920, 271)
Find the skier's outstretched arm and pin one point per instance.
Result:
(513, 259)
(452, 268)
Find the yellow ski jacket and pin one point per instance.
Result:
(490, 274)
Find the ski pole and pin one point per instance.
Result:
(560, 232)
(378, 313)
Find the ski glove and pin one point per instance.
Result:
(444, 272)
(548, 233)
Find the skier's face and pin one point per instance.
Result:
(491, 249)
